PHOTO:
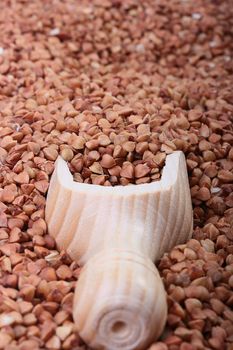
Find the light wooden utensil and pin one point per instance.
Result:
(117, 233)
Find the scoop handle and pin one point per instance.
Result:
(120, 301)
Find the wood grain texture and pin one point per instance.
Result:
(120, 301)
(117, 232)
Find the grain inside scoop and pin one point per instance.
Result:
(117, 233)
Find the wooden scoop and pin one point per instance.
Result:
(118, 233)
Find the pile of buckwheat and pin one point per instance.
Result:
(113, 87)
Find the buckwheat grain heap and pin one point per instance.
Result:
(113, 87)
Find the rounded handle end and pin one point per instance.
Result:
(120, 302)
